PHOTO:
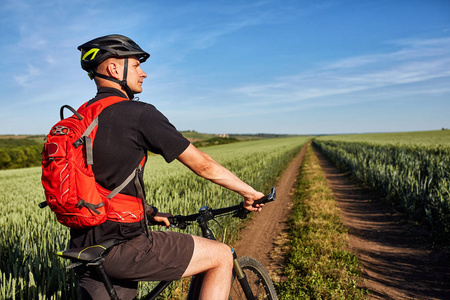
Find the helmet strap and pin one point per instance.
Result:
(122, 82)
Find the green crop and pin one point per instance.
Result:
(418, 138)
(414, 178)
(30, 237)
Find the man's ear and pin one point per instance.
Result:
(113, 69)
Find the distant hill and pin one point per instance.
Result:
(259, 136)
(14, 141)
(195, 136)
(20, 151)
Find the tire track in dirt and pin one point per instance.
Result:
(397, 257)
(268, 228)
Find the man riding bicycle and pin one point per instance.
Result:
(127, 131)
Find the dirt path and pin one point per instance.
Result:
(398, 261)
(268, 228)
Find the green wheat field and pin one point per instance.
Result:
(411, 169)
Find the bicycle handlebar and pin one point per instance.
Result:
(181, 222)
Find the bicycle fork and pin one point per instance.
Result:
(240, 275)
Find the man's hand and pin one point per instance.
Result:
(163, 218)
(248, 202)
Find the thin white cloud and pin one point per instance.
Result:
(32, 71)
(410, 50)
(406, 66)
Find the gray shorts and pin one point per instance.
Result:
(165, 255)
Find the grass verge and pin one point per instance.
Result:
(318, 263)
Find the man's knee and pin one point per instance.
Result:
(209, 255)
(226, 256)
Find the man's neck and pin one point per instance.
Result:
(109, 84)
(105, 91)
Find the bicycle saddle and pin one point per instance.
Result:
(90, 253)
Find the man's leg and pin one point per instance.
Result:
(215, 260)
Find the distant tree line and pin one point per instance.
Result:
(215, 141)
(263, 135)
(19, 153)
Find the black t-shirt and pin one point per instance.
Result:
(126, 131)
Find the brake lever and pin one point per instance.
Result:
(175, 223)
(241, 213)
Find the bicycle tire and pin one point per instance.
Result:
(258, 279)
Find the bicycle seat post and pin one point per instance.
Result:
(98, 266)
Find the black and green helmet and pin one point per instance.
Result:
(97, 50)
(115, 45)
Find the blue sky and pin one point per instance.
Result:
(296, 67)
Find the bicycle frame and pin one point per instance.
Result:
(197, 280)
(204, 215)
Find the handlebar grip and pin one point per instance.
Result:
(268, 198)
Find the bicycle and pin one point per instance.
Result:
(250, 279)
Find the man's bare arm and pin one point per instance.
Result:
(205, 166)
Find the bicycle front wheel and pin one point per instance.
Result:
(258, 280)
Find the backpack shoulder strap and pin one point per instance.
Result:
(93, 110)
(91, 113)
(133, 175)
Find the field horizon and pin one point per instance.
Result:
(195, 134)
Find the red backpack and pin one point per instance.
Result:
(67, 177)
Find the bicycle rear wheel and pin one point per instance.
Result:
(258, 280)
